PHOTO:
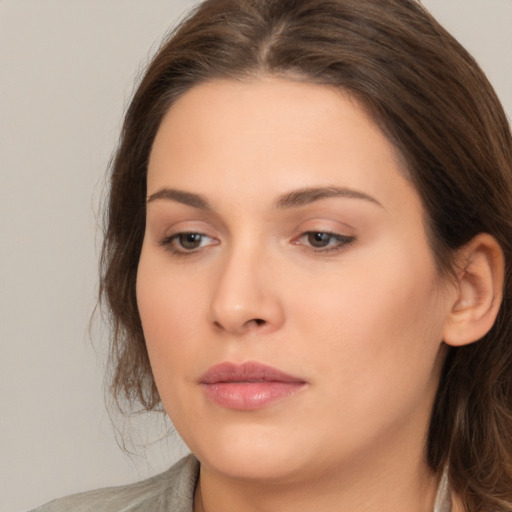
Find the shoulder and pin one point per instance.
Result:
(171, 491)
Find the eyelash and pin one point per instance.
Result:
(171, 242)
(341, 241)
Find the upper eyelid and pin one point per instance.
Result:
(172, 236)
(167, 226)
(333, 234)
(326, 232)
(174, 213)
(325, 226)
(216, 222)
(328, 221)
(162, 224)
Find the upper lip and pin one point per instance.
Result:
(250, 371)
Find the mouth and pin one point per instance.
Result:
(248, 386)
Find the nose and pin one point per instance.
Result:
(246, 296)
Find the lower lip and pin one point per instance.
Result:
(250, 395)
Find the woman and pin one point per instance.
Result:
(307, 263)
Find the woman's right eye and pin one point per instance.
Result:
(186, 242)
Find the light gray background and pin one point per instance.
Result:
(67, 68)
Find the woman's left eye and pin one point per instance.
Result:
(324, 241)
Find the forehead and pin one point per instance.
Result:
(270, 135)
(267, 106)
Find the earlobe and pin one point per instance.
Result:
(479, 291)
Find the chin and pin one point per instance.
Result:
(252, 452)
(256, 465)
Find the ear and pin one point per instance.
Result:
(478, 291)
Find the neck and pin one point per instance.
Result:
(406, 488)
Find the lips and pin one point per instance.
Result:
(248, 386)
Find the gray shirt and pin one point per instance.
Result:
(171, 491)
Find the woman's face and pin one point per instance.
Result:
(281, 233)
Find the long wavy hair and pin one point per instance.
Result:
(434, 104)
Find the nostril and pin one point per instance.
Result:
(254, 321)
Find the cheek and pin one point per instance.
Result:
(376, 353)
(376, 325)
(167, 309)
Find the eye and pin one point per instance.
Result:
(324, 241)
(319, 239)
(187, 242)
(190, 241)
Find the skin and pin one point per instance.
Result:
(360, 320)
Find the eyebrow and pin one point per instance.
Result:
(305, 196)
(294, 199)
(180, 196)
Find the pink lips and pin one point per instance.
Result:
(248, 386)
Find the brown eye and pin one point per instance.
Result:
(324, 242)
(190, 241)
(187, 243)
(319, 239)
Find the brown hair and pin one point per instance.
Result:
(433, 102)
